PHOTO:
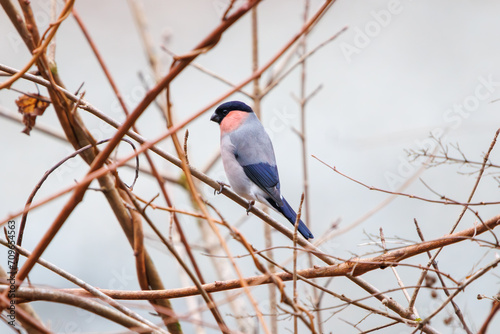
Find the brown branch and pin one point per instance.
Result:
(137, 9)
(434, 264)
(355, 267)
(494, 309)
(21, 28)
(478, 179)
(40, 50)
(302, 101)
(83, 303)
(26, 319)
(30, 21)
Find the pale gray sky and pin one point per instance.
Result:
(402, 70)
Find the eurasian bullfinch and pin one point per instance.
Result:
(248, 159)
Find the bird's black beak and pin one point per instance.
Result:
(215, 118)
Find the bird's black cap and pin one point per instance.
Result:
(226, 107)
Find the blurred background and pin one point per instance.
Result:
(403, 70)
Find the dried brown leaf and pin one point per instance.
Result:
(31, 106)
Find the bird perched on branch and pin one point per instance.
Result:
(248, 158)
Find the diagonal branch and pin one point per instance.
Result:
(355, 267)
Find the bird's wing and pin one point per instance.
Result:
(266, 178)
(253, 150)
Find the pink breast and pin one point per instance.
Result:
(233, 120)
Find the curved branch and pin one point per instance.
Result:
(37, 294)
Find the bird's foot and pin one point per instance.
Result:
(250, 206)
(222, 185)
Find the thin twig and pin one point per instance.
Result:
(471, 279)
(447, 202)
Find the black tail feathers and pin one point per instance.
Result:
(287, 211)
